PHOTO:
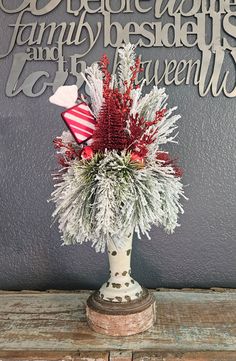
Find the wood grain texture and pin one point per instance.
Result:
(185, 356)
(56, 322)
(53, 356)
(121, 356)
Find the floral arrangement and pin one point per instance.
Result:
(115, 175)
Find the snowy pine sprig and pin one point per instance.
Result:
(98, 200)
(94, 82)
(127, 61)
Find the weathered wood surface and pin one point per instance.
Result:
(185, 356)
(121, 356)
(53, 356)
(35, 323)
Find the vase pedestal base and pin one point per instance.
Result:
(121, 319)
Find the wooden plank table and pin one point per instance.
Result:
(192, 325)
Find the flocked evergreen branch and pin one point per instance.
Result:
(151, 103)
(94, 81)
(126, 63)
(98, 202)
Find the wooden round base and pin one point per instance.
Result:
(121, 319)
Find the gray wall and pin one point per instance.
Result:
(202, 253)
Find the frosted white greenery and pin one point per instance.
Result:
(67, 138)
(99, 199)
(93, 78)
(166, 127)
(149, 104)
(127, 60)
(135, 95)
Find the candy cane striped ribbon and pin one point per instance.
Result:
(80, 121)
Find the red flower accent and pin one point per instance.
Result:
(136, 158)
(166, 160)
(178, 171)
(87, 153)
(164, 157)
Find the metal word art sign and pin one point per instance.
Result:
(32, 34)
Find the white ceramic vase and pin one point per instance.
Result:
(121, 307)
(120, 287)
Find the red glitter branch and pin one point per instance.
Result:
(104, 63)
(110, 132)
(135, 69)
(140, 134)
(70, 153)
(111, 129)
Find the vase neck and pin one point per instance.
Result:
(120, 258)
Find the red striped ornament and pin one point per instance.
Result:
(80, 122)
